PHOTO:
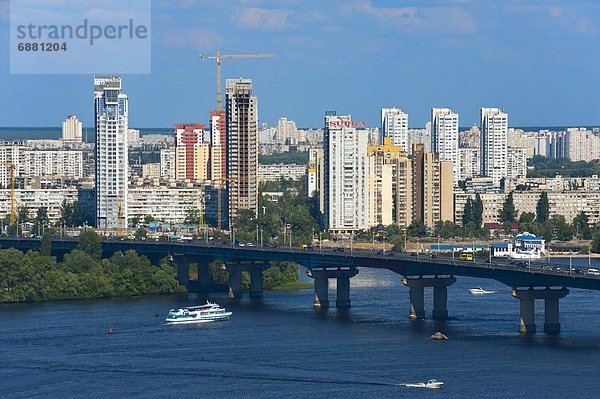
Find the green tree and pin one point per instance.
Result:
(507, 213)
(478, 211)
(141, 234)
(542, 209)
(149, 219)
(40, 221)
(134, 221)
(23, 214)
(581, 226)
(467, 213)
(192, 216)
(417, 229)
(90, 243)
(46, 248)
(527, 217)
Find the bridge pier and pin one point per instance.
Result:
(322, 276)
(183, 269)
(527, 299)
(256, 283)
(440, 296)
(204, 272)
(235, 280)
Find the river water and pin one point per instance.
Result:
(283, 348)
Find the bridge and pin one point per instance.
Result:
(528, 283)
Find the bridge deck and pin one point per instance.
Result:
(513, 275)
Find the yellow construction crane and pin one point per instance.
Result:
(12, 190)
(219, 57)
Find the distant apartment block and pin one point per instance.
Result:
(394, 124)
(516, 162)
(218, 146)
(33, 199)
(444, 136)
(566, 203)
(165, 204)
(71, 130)
(60, 163)
(276, 172)
(468, 164)
(167, 163)
(192, 154)
(494, 132)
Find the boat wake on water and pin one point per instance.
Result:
(431, 384)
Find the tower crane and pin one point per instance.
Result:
(12, 190)
(219, 57)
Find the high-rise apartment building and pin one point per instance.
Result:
(494, 144)
(582, 145)
(167, 163)
(345, 175)
(242, 147)
(382, 182)
(433, 190)
(517, 162)
(191, 152)
(394, 124)
(111, 123)
(287, 132)
(468, 164)
(444, 136)
(218, 139)
(71, 130)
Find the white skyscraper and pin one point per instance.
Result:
(71, 130)
(111, 111)
(345, 174)
(494, 144)
(444, 136)
(394, 124)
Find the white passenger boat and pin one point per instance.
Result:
(431, 384)
(531, 254)
(197, 314)
(480, 291)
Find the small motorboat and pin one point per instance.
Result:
(480, 291)
(431, 384)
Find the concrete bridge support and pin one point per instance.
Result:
(235, 280)
(183, 269)
(527, 299)
(204, 271)
(322, 276)
(417, 295)
(256, 283)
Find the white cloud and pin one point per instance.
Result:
(263, 18)
(200, 38)
(555, 11)
(423, 20)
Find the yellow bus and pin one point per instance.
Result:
(466, 256)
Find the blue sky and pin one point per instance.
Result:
(536, 59)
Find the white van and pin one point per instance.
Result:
(593, 272)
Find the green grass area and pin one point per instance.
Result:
(293, 286)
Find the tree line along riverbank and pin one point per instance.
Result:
(84, 274)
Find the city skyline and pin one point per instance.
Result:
(402, 48)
